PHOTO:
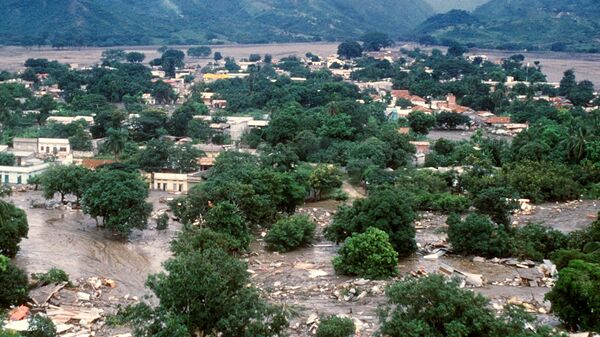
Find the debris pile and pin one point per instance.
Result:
(76, 311)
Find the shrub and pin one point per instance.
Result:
(478, 235)
(194, 239)
(449, 203)
(52, 276)
(576, 296)
(563, 257)
(368, 255)
(162, 222)
(537, 242)
(40, 326)
(335, 326)
(435, 307)
(290, 233)
(14, 284)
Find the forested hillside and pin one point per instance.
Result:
(564, 25)
(114, 22)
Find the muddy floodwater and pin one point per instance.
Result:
(69, 240)
(587, 66)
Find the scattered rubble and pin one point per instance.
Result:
(78, 311)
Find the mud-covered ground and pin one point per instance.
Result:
(553, 64)
(304, 280)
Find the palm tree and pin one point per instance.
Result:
(116, 140)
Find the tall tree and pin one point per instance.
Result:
(119, 198)
(116, 140)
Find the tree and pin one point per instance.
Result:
(209, 292)
(184, 158)
(477, 235)
(116, 140)
(421, 122)
(217, 56)
(156, 155)
(290, 233)
(435, 307)
(65, 180)
(254, 58)
(13, 227)
(226, 217)
(113, 55)
(163, 93)
(162, 222)
(335, 326)
(199, 51)
(7, 159)
(386, 209)
(118, 197)
(268, 59)
(81, 140)
(451, 120)
(498, 203)
(323, 179)
(369, 255)
(375, 41)
(582, 94)
(171, 60)
(567, 83)
(350, 49)
(14, 284)
(456, 49)
(231, 66)
(135, 57)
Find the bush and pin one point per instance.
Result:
(194, 239)
(369, 255)
(290, 233)
(162, 222)
(40, 326)
(537, 242)
(576, 296)
(52, 276)
(448, 203)
(478, 235)
(334, 326)
(387, 209)
(14, 284)
(435, 307)
(563, 257)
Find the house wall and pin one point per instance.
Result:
(169, 182)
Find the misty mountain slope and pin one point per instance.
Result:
(109, 22)
(572, 25)
(443, 6)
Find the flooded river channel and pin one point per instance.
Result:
(70, 240)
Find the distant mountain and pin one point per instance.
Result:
(443, 6)
(569, 25)
(114, 22)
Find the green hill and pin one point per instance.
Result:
(114, 22)
(569, 25)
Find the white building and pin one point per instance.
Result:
(20, 174)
